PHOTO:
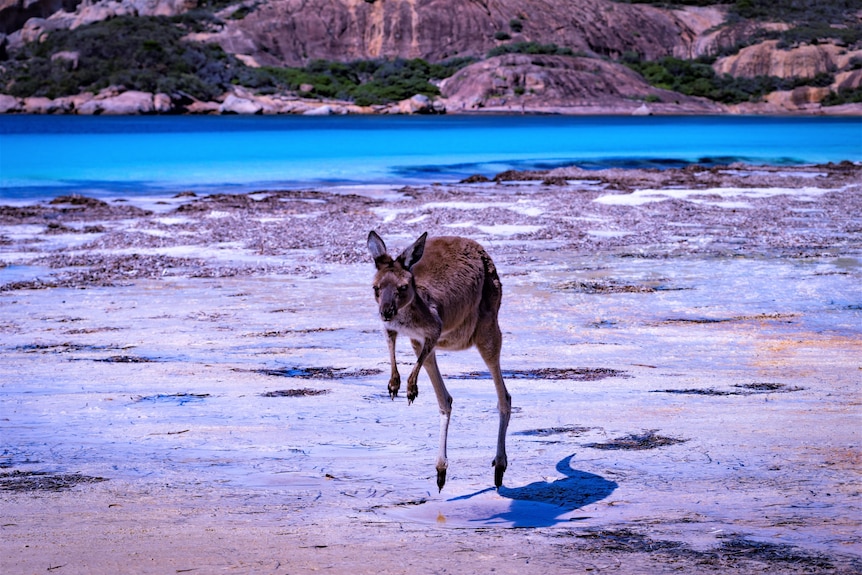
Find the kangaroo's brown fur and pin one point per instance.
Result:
(445, 293)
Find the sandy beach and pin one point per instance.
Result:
(198, 384)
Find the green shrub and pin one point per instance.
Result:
(148, 54)
(846, 96)
(139, 53)
(367, 82)
(811, 19)
(695, 78)
(831, 11)
(834, 11)
(530, 48)
(680, 2)
(812, 33)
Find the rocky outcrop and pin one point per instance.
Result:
(700, 24)
(90, 11)
(721, 36)
(234, 104)
(292, 32)
(418, 104)
(798, 99)
(566, 84)
(9, 104)
(767, 59)
(110, 101)
(25, 22)
(37, 105)
(800, 62)
(849, 80)
(124, 103)
(14, 13)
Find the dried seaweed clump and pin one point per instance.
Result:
(637, 442)
(319, 372)
(20, 481)
(569, 373)
(304, 392)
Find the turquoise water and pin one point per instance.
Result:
(43, 156)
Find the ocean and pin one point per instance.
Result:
(46, 156)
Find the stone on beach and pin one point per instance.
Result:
(234, 104)
(9, 104)
(124, 103)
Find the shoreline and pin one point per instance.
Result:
(201, 384)
(115, 101)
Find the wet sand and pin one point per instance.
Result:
(198, 384)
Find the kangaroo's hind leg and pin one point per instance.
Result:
(489, 344)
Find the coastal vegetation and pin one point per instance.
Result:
(845, 96)
(530, 48)
(810, 20)
(150, 55)
(153, 54)
(365, 82)
(697, 78)
(139, 53)
(833, 11)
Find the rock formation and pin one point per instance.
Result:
(21, 24)
(14, 13)
(598, 32)
(767, 59)
(521, 82)
(292, 32)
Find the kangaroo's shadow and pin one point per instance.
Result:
(543, 503)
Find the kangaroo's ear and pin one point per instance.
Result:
(376, 245)
(377, 249)
(411, 256)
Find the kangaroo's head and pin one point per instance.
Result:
(394, 288)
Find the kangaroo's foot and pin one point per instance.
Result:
(499, 464)
(412, 390)
(441, 478)
(394, 385)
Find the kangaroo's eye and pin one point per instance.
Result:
(376, 291)
(403, 288)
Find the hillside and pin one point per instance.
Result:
(405, 56)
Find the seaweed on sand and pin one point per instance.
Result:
(43, 481)
(637, 442)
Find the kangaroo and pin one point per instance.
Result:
(444, 293)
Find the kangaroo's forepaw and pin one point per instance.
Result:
(499, 470)
(412, 392)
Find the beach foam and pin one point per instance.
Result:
(641, 197)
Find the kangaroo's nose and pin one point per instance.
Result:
(388, 312)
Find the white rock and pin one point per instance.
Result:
(235, 105)
(38, 105)
(418, 104)
(319, 111)
(127, 103)
(162, 104)
(9, 104)
(69, 56)
(643, 110)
